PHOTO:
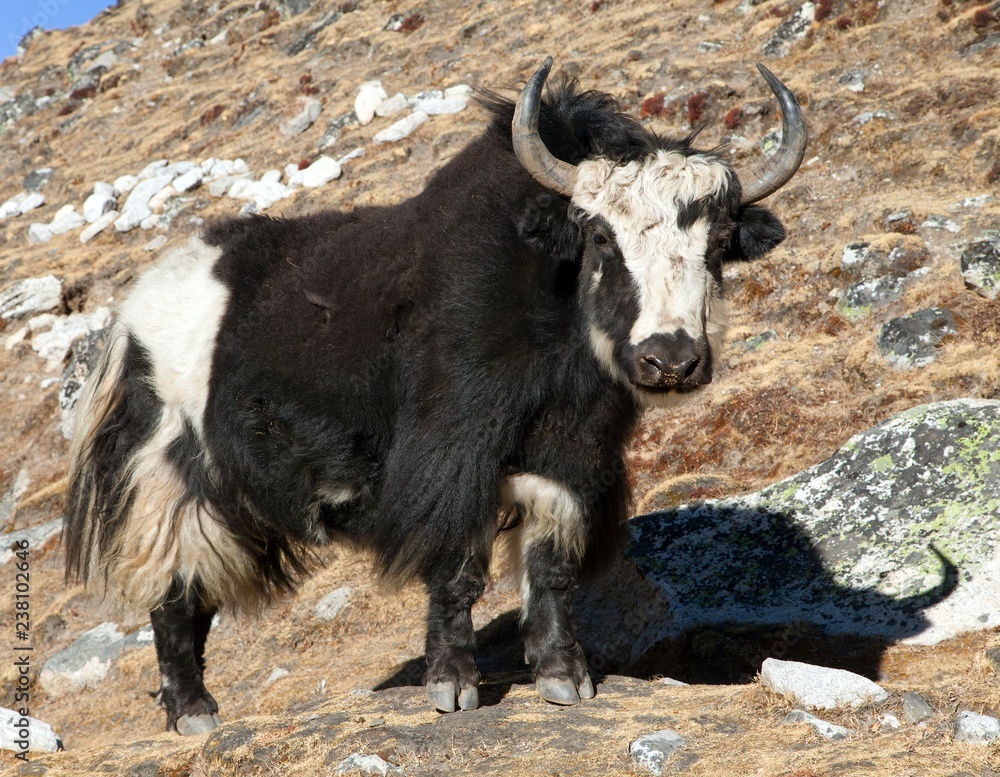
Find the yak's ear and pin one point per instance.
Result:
(757, 233)
(547, 228)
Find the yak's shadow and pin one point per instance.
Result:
(705, 596)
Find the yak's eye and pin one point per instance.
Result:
(600, 239)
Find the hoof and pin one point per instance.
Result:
(564, 692)
(442, 696)
(192, 725)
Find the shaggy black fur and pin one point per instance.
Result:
(379, 372)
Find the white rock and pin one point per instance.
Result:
(32, 201)
(157, 242)
(392, 105)
(179, 168)
(972, 727)
(16, 339)
(56, 343)
(459, 90)
(370, 95)
(291, 169)
(99, 225)
(819, 687)
(104, 188)
(401, 128)
(221, 186)
(271, 176)
(276, 674)
(39, 233)
(66, 218)
(158, 200)
(824, 728)
(106, 60)
(22, 734)
(186, 181)
(320, 172)
(262, 193)
(136, 207)
(152, 170)
(889, 721)
(123, 184)
(651, 752)
(331, 605)
(36, 535)
(42, 322)
(96, 205)
(12, 207)
(84, 664)
(366, 764)
(220, 168)
(240, 166)
(443, 105)
(358, 152)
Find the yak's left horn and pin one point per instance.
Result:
(777, 170)
(531, 152)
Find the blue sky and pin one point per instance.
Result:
(19, 16)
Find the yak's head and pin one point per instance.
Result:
(656, 229)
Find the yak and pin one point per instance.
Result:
(415, 380)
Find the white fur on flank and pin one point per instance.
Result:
(550, 513)
(174, 311)
(641, 201)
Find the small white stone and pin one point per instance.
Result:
(157, 242)
(66, 218)
(271, 176)
(651, 752)
(241, 167)
(41, 322)
(358, 152)
(158, 200)
(300, 115)
(320, 172)
(459, 90)
(31, 295)
(819, 687)
(824, 728)
(99, 225)
(291, 169)
(370, 95)
(152, 170)
(276, 674)
(14, 727)
(889, 721)
(206, 165)
(973, 727)
(186, 181)
(401, 128)
(39, 233)
(15, 339)
(123, 184)
(97, 204)
(366, 764)
(54, 345)
(104, 188)
(444, 105)
(12, 207)
(392, 105)
(32, 201)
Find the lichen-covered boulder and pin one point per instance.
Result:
(894, 536)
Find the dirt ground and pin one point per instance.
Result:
(922, 137)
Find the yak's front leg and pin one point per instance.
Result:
(451, 642)
(180, 629)
(549, 545)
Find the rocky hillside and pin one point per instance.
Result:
(119, 138)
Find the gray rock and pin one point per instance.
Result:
(300, 115)
(911, 341)
(916, 707)
(853, 80)
(824, 728)
(331, 605)
(39, 233)
(651, 752)
(305, 39)
(975, 728)
(8, 507)
(84, 357)
(794, 28)
(366, 764)
(861, 262)
(24, 734)
(981, 268)
(333, 129)
(85, 663)
(864, 297)
(36, 181)
(32, 295)
(819, 687)
(36, 536)
(756, 342)
(854, 545)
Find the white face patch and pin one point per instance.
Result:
(642, 201)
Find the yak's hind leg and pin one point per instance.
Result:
(451, 642)
(180, 628)
(547, 550)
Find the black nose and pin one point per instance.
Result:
(674, 360)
